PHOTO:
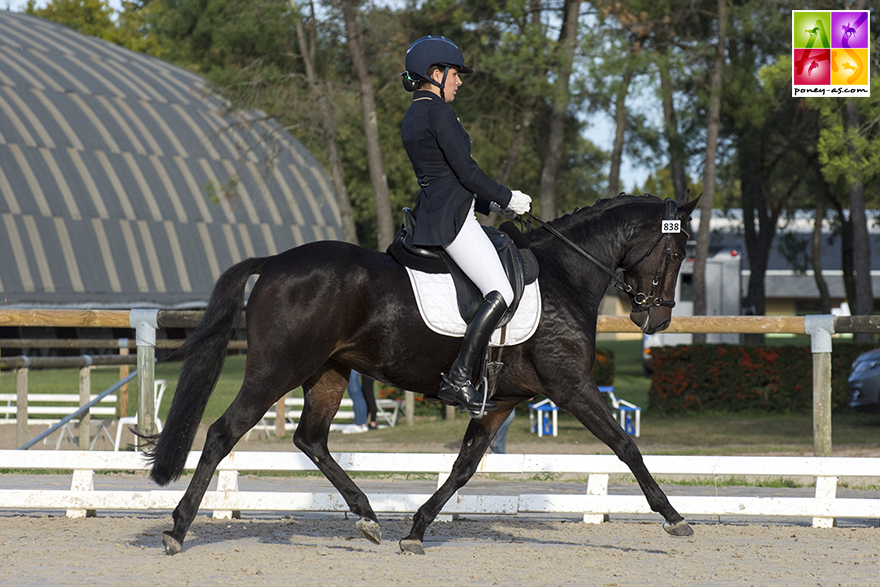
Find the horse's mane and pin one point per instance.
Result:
(582, 216)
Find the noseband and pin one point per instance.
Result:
(641, 302)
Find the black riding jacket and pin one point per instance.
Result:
(440, 151)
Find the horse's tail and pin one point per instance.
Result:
(205, 355)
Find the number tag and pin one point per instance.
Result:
(670, 226)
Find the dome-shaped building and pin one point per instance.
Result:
(125, 183)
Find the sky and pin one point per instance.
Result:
(601, 130)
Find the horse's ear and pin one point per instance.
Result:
(685, 207)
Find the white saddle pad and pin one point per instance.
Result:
(435, 296)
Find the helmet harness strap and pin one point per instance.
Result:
(442, 83)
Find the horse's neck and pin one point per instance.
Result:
(560, 261)
(609, 236)
(603, 236)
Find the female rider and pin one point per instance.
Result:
(452, 187)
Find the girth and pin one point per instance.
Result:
(519, 265)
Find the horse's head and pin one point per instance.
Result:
(652, 263)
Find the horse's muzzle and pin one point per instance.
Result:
(652, 319)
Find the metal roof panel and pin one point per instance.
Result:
(106, 162)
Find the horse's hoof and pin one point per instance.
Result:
(172, 546)
(411, 546)
(369, 530)
(681, 528)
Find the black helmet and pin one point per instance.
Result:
(429, 51)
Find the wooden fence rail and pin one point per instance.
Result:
(685, 324)
(98, 343)
(593, 506)
(102, 318)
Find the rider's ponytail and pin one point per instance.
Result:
(411, 82)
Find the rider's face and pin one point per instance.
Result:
(453, 80)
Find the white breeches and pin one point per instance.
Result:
(474, 253)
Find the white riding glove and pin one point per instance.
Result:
(519, 202)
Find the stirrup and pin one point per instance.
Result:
(455, 400)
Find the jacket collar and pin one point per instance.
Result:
(418, 94)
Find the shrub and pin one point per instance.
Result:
(603, 368)
(723, 377)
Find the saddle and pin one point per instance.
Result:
(518, 261)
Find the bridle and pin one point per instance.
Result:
(641, 302)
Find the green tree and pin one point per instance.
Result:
(707, 203)
(561, 98)
(849, 155)
(218, 37)
(97, 18)
(89, 17)
(662, 45)
(307, 38)
(361, 64)
(515, 46)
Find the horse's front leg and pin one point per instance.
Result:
(476, 441)
(590, 409)
(321, 403)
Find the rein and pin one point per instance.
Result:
(615, 277)
(640, 300)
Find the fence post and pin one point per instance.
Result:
(409, 407)
(123, 373)
(597, 484)
(227, 482)
(820, 329)
(145, 323)
(826, 488)
(85, 392)
(280, 417)
(21, 403)
(83, 480)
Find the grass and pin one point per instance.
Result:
(702, 433)
(776, 483)
(67, 381)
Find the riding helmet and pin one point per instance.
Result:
(428, 51)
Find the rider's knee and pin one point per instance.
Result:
(506, 293)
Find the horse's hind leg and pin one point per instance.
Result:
(476, 441)
(322, 397)
(242, 414)
(589, 407)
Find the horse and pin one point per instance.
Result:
(319, 310)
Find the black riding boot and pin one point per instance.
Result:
(456, 388)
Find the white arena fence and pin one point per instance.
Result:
(594, 505)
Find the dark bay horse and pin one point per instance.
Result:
(322, 309)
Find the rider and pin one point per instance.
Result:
(452, 187)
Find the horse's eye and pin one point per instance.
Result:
(677, 257)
